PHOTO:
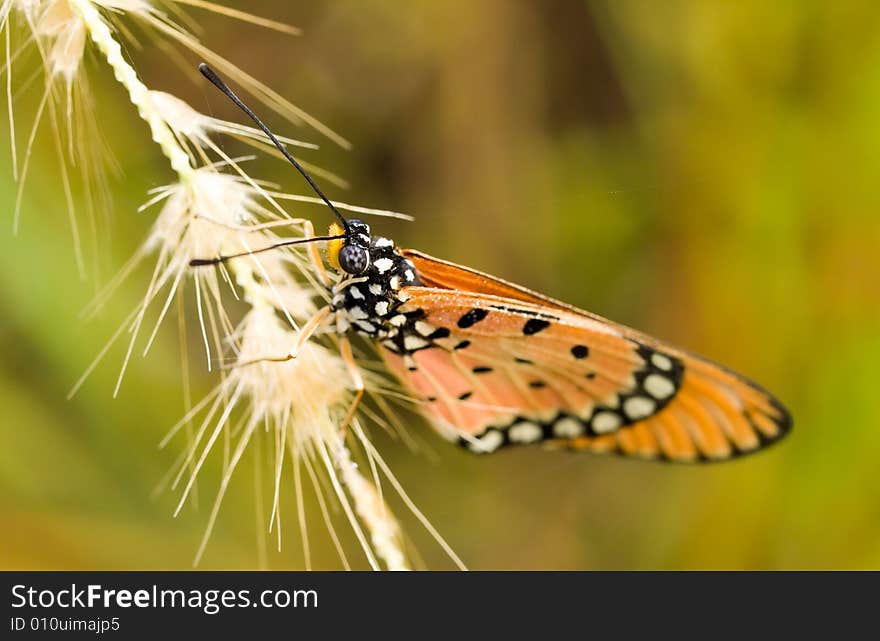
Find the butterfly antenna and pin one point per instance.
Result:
(211, 75)
(202, 262)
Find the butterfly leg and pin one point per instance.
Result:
(307, 330)
(305, 333)
(356, 378)
(315, 255)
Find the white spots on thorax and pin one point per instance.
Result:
(381, 308)
(383, 265)
(604, 422)
(409, 275)
(365, 239)
(375, 289)
(383, 242)
(357, 313)
(639, 407)
(526, 432)
(661, 361)
(568, 427)
(366, 326)
(356, 293)
(659, 386)
(394, 282)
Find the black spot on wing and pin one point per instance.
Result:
(580, 351)
(472, 317)
(440, 332)
(465, 396)
(534, 325)
(462, 344)
(482, 369)
(537, 384)
(524, 312)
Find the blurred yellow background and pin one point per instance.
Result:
(706, 171)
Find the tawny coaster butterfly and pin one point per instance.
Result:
(495, 364)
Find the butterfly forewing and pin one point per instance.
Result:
(495, 364)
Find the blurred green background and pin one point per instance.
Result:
(706, 171)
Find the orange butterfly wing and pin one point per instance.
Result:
(496, 364)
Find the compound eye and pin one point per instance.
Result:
(354, 259)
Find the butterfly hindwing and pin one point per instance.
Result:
(503, 365)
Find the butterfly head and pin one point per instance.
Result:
(351, 253)
(352, 249)
(375, 274)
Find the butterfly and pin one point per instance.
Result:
(492, 364)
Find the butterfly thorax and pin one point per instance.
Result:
(368, 303)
